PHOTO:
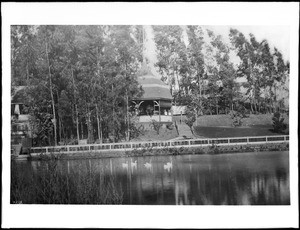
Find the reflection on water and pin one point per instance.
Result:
(240, 179)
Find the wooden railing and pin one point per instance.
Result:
(160, 144)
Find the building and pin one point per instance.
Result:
(20, 127)
(156, 101)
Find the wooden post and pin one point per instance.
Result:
(159, 110)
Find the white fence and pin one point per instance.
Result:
(160, 144)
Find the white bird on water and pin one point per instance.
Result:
(148, 165)
(168, 166)
(133, 164)
(125, 165)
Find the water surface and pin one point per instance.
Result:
(256, 178)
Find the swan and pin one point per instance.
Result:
(133, 164)
(168, 166)
(148, 165)
(125, 165)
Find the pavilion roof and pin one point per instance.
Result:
(154, 88)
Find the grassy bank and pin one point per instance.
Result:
(51, 186)
(218, 126)
(219, 132)
(225, 120)
(149, 134)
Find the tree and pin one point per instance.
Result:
(196, 66)
(171, 54)
(190, 117)
(263, 69)
(222, 76)
(82, 77)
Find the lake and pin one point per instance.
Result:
(256, 178)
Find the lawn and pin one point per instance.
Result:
(151, 135)
(217, 132)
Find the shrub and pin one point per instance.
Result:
(238, 115)
(278, 125)
(156, 125)
(136, 130)
(170, 126)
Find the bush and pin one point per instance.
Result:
(136, 130)
(156, 125)
(278, 125)
(238, 115)
(170, 126)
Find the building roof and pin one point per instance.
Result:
(154, 88)
(17, 95)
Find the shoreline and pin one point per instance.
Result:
(207, 150)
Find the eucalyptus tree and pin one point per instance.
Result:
(249, 66)
(83, 75)
(196, 67)
(123, 82)
(23, 53)
(222, 84)
(171, 54)
(265, 70)
(280, 77)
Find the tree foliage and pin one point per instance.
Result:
(82, 78)
(82, 75)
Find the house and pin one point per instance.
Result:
(21, 136)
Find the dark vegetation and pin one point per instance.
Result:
(278, 123)
(49, 185)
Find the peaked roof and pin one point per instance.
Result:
(17, 95)
(154, 88)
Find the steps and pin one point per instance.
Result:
(184, 130)
(16, 149)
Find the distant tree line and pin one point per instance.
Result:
(80, 79)
(197, 65)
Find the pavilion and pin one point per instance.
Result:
(156, 101)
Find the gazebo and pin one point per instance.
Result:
(156, 101)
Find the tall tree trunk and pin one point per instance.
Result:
(58, 117)
(128, 119)
(81, 124)
(251, 105)
(76, 109)
(113, 113)
(60, 128)
(98, 124)
(27, 74)
(200, 93)
(89, 125)
(52, 97)
(217, 106)
(177, 78)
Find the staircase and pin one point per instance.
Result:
(16, 149)
(184, 130)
